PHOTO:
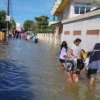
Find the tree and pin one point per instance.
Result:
(2, 19)
(12, 25)
(29, 25)
(51, 29)
(41, 23)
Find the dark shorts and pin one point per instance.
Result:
(92, 73)
(62, 61)
(80, 64)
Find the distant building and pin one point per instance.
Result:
(76, 18)
(19, 27)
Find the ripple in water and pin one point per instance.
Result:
(14, 84)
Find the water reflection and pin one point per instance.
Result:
(73, 90)
(90, 94)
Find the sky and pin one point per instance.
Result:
(28, 9)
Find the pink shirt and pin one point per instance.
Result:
(63, 53)
(28, 37)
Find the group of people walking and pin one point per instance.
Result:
(78, 59)
(32, 37)
(25, 35)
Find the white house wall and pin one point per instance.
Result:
(69, 10)
(88, 41)
(57, 39)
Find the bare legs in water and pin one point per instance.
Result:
(63, 66)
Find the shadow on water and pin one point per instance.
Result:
(14, 84)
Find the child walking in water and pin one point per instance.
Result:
(28, 37)
(83, 54)
(75, 51)
(63, 54)
(69, 65)
(94, 63)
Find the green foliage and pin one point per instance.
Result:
(12, 25)
(97, 0)
(2, 19)
(39, 26)
(50, 29)
(41, 23)
(29, 25)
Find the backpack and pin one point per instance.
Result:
(80, 64)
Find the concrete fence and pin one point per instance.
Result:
(50, 37)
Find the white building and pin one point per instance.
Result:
(77, 18)
(19, 27)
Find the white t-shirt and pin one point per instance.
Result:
(87, 62)
(76, 50)
(36, 36)
(63, 53)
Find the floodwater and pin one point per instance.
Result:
(28, 71)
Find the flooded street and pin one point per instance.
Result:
(28, 71)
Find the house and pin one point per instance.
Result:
(77, 18)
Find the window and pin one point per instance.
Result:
(82, 10)
(88, 9)
(88, 4)
(58, 18)
(76, 10)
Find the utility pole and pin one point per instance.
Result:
(8, 13)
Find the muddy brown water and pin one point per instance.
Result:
(29, 71)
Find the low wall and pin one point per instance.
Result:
(86, 27)
(2, 36)
(49, 37)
